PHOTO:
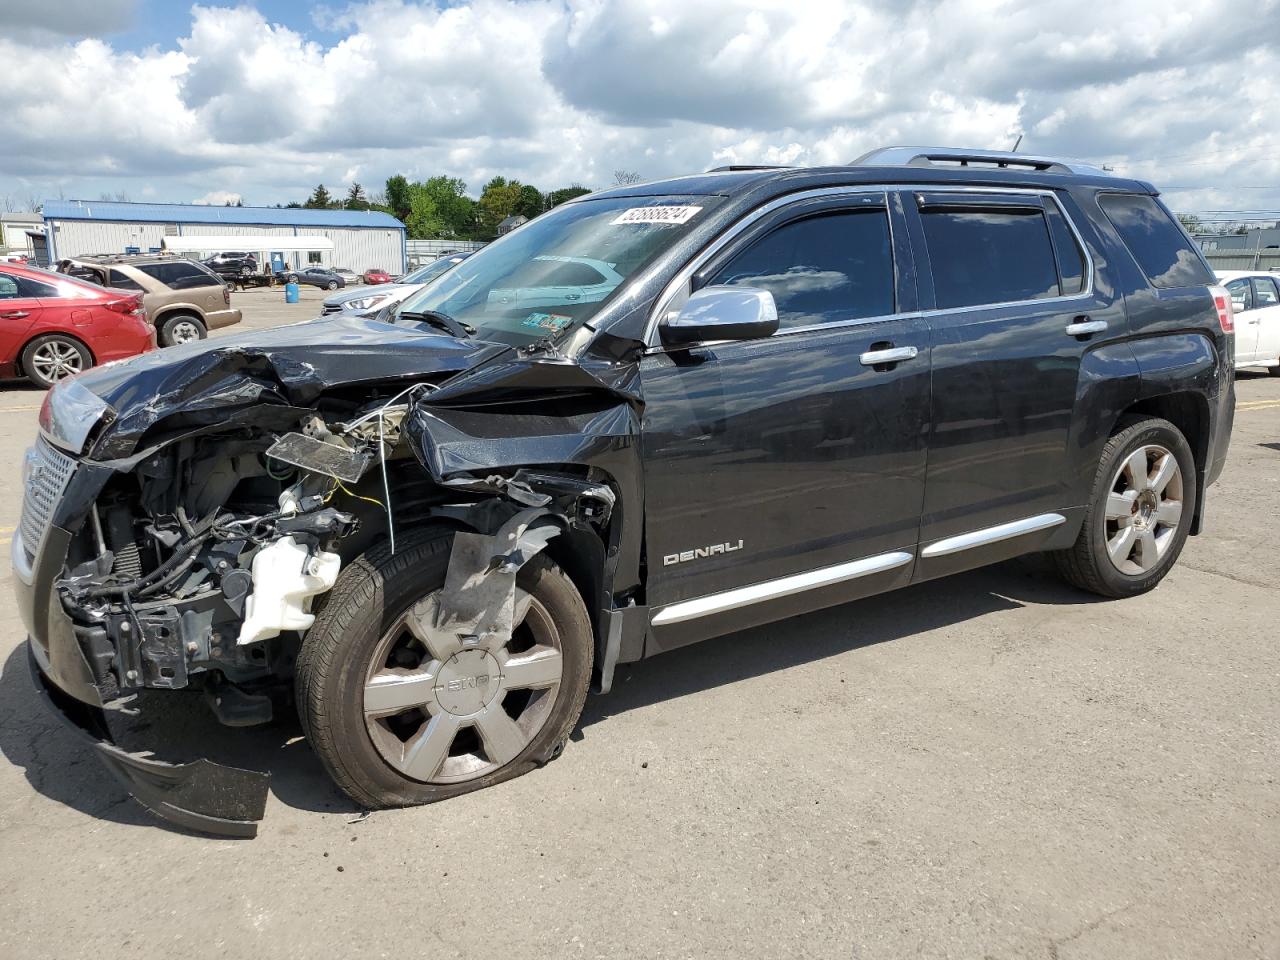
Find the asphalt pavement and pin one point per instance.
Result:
(989, 766)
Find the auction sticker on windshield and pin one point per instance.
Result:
(554, 322)
(656, 215)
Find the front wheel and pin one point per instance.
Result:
(331, 285)
(400, 713)
(1139, 514)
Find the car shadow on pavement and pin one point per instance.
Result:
(180, 728)
(1029, 580)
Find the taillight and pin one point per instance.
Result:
(131, 305)
(1226, 309)
(226, 296)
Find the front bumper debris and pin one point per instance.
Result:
(202, 796)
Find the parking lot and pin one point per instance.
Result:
(993, 765)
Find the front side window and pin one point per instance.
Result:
(989, 255)
(822, 269)
(1266, 293)
(1157, 243)
(557, 270)
(1241, 294)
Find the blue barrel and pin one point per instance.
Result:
(290, 293)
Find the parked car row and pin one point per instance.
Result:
(387, 294)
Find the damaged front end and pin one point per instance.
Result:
(181, 520)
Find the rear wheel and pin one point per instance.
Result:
(400, 713)
(1140, 512)
(181, 328)
(54, 357)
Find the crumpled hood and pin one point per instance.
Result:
(214, 381)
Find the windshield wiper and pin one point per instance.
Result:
(443, 321)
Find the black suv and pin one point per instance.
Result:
(441, 526)
(232, 264)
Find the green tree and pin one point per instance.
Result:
(557, 197)
(398, 197)
(319, 199)
(497, 202)
(1190, 222)
(424, 220)
(456, 209)
(356, 200)
(530, 202)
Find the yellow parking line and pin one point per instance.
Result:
(1258, 405)
(18, 409)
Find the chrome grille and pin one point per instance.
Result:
(47, 473)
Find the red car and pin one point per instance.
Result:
(376, 275)
(53, 326)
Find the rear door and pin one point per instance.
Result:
(1014, 309)
(787, 473)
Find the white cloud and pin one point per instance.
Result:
(555, 92)
(218, 198)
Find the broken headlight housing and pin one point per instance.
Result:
(70, 413)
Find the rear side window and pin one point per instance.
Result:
(181, 275)
(121, 281)
(1156, 242)
(823, 269)
(1071, 265)
(35, 288)
(989, 255)
(8, 287)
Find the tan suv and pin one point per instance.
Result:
(183, 299)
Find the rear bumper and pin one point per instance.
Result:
(217, 319)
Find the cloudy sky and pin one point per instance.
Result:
(162, 100)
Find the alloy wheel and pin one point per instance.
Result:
(1143, 509)
(444, 709)
(57, 360)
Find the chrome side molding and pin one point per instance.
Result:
(782, 587)
(1003, 531)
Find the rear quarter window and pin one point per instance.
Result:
(1158, 244)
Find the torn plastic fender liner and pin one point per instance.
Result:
(201, 795)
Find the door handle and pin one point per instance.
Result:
(14, 314)
(874, 358)
(1084, 327)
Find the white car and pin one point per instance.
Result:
(1256, 298)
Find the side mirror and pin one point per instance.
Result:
(722, 313)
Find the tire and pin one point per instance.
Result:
(181, 328)
(1119, 502)
(245, 271)
(54, 357)
(331, 285)
(354, 638)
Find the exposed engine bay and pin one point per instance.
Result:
(201, 566)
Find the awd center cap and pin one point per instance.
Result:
(467, 682)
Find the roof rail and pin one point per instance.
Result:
(959, 156)
(735, 167)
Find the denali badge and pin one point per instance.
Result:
(684, 556)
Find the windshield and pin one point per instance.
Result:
(554, 272)
(430, 271)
